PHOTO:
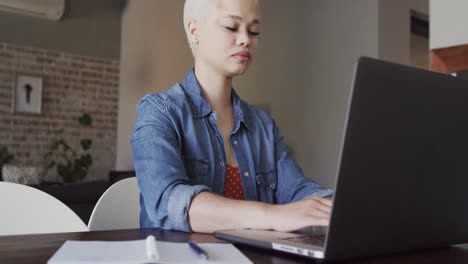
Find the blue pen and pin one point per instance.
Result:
(200, 252)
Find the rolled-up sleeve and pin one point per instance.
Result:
(165, 188)
(292, 184)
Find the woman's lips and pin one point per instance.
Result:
(242, 56)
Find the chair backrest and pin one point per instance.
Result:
(26, 210)
(118, 207)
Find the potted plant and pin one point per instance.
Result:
(72, 165)
(5, 157)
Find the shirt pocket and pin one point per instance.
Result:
(197, 170)
(266, 185)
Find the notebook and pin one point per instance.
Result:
(134, 251)
(403, 169)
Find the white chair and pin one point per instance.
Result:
(26, 210)
(118, 207)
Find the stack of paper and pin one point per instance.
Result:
(135, 252)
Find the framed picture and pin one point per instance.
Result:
(27, 94)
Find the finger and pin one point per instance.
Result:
(318, 213)
(318, 209)
(323, 208)
(320, 204)
(326, 201)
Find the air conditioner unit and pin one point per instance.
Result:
(48, 9)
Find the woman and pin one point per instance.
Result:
(205, 159)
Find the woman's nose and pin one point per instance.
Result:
(243, 38)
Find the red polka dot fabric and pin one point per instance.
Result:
(233, 184)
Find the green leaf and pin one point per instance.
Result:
(5, 156)
(66, 172)
(86, 143)
(59, 131)
(70, 165)
(85, 120)
(54, 146)
(64, 144)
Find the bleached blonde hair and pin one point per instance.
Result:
(197, 10)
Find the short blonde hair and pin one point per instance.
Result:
(197, 10)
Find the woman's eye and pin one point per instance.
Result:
(251, 32)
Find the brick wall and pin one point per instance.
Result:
(72, 85)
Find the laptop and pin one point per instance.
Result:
(402, 182)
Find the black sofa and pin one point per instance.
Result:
(80, 197)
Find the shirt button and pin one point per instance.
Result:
(246, 174)
(235, 142)
(221, 164)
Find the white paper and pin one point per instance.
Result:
(134, 251)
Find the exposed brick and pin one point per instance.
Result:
(5, 121)
(77, 65)
(72, 84)
(32, 52)
(113, 70)
(6, 64)
(6, 79)
(5, 109)
(20, 49)
(6, 55)
(45, 123)
(42, 60)
(53, 54)
(9, 47)
(96, 68)
(88, 74)
(35, 68)
(18, 138)
(93, 60)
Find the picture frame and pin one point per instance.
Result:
(27, 94)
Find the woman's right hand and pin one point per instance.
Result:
(314, 211)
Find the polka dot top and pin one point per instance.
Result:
(233, 184)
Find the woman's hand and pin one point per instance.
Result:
(313, 211)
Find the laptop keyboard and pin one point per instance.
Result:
(307, 239)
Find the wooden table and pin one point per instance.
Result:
(39, 248)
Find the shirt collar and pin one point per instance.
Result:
(198, 103)
(201, 108)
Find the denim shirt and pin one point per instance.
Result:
(178, 152)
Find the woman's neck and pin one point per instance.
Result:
(215, 87)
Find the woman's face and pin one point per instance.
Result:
(228, 37)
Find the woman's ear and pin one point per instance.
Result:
(193, 31)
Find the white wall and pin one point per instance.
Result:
(90, 28)
(154, 56)
(340, 32)
(395, 28)
(337, 33)
(276, 76)
(449, 23)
